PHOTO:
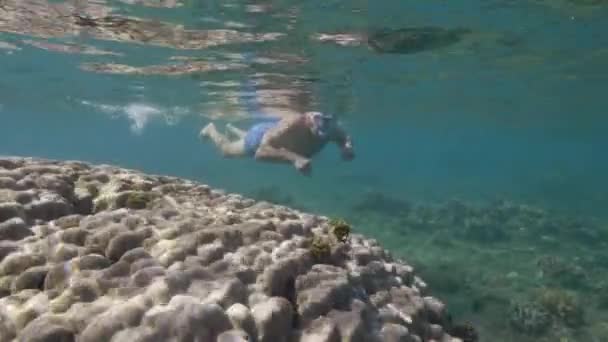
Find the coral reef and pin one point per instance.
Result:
(563, 305)
(340, 229)
(481, 256)
(101, 253)
(529, 318)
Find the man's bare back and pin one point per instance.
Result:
(292, 140)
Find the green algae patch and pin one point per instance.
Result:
(529, 318)
(320, 248)
(562, 305)
(137, 200)
(100, 205)
(93, 189)
(340, 229)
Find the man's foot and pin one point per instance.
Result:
(206, 131)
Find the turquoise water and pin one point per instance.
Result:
(515, 111)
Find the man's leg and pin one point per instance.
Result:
(227, 147)
(236, 131)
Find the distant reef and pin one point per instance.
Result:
(102, 253)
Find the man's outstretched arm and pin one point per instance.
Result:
(269, 151)
(344, 141)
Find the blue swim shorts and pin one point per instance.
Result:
(255, 134)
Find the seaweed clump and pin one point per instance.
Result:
(137, 200)
(340, 229)
(529, 318)
(563, 305)
(320, 249)
(93, 189)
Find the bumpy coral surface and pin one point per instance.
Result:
(100, 253)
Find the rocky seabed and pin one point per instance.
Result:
(102, 253)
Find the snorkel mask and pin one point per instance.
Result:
(323, 124)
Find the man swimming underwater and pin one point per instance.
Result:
(289, 140)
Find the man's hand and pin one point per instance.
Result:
(303, 165)
(347, 152)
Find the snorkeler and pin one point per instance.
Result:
(291, 140)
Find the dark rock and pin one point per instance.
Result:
(92, 262)
(323, 288)
(234, 336)
(205, 321)
(9, 210)
(14, 229)
(68, 221)
(83, 201)
(57, 277)
(144, 277)
(464, 331)
(436, 310)
(290, 228)
(138, 334)
(363, 255)
(18, 263)
(273, 319)
(25, 197)
(48, 207)
(102, 238)
(64, 252)
(55, 183)
(10, 163)
(6, 248)
(241, 318)
(143, 263)
(32, 278)
(46, 329)
(135, 254)
(279, 275)
(210, 253)
(412, 306)
(231, 292)
(5, 286)
(321, 329)
(122, 243)
(117, 318)
(395, 333)
(8, 183)
(85, 290)
(117, 270)
(76, 236)
(26, 183)
(374, 277)
(350, 325)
